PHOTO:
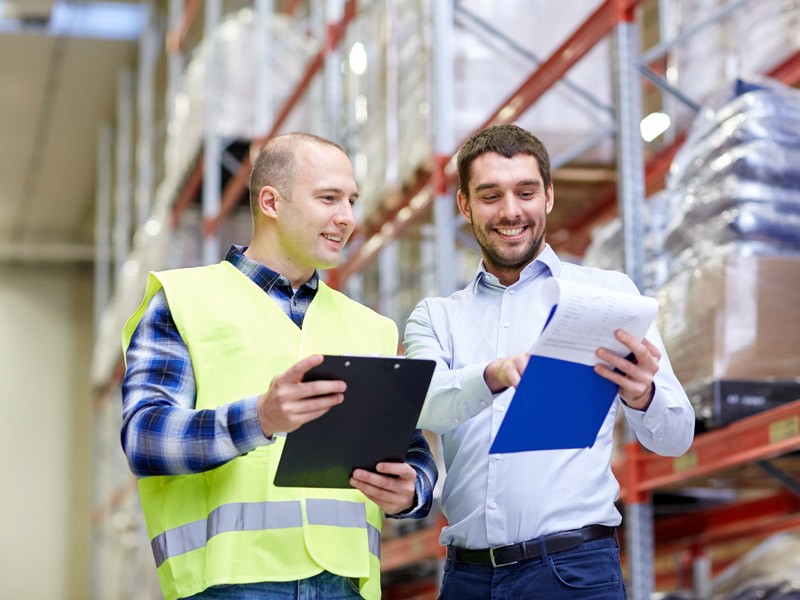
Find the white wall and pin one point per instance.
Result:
(45, 432)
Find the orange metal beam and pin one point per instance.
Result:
(177, 35)
(762, 436)
(412, 548)
(192, 185)
(595, 28)
(238, 183)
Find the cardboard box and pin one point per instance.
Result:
(733, 317)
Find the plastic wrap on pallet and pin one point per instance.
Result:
(751, 39)
(235, 96)
(733, 316)
(736, 180)
(754, 134)
(393, 146)
(767, 572)
(606, 249)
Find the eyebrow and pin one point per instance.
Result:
(334, 190)
(524, 183)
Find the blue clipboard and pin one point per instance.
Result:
(557, 405)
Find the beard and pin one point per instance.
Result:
(508, 259)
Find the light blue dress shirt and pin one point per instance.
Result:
(492, 500)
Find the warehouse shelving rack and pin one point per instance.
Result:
(636, 179)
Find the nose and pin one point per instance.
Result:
(345, 216)
(510, 207)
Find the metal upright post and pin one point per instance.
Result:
(175, 59)
(333, 85)
(389, 280)
(149, 48)
(102, 223)
(212, 150)
(443, 142)
(317, 115)
(265, 10)
(122, 192)
(630, 174)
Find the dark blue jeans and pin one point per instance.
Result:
(324, 586)
(589, 572)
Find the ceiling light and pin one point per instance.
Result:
(653, 125)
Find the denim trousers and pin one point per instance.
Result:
(325, 586)
(589, 572)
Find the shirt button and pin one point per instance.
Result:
(496, 457)
(501, 408)
(506, 324)
(512, 292)
(483, 404)
(456, 420)
(493, 505)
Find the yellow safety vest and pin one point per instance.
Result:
(230, 525)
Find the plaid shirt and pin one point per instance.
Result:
(163, 434)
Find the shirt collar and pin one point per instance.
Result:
(546, 260)
(261, 275)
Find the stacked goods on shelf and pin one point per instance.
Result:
(751, 38)
(733, 253)
(768, 571)
(235, 97)
(606, 249)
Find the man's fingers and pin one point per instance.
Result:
(297, 371)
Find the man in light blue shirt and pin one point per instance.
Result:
(530, 524)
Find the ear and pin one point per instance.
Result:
(463, 206)
(550, 201)
(267, 201)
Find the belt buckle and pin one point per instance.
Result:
(494, 562)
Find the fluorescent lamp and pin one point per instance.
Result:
(653, 125)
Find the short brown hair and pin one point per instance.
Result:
(507, 140)
(275, 164)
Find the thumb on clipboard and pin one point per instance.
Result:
(291, 402)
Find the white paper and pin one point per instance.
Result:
(586, 318)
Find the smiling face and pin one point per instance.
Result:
(307, 228)
(507, 204)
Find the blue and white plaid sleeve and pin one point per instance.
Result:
(420, 457)
(162, 433)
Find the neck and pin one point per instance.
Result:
(273, 259)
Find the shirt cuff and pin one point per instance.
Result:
(250, 426)
(653, 416)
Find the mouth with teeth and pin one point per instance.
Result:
(510, 232)
(334, 238)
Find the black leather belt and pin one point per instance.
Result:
(514, 553)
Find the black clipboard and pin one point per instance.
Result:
(375, 423)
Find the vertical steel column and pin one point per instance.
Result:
(443, 142)
(122, 193)
(265, 10)
(668, 29)
(333, 85)
(630, 175)
(317, 121)
(174, 60)
(389, 280)
(212, 150)
(149, 48)
(102, 223)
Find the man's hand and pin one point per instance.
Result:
(393, 494)
(503, 373)
(290, 402)
(636, 380)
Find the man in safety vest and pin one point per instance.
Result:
(199, 429)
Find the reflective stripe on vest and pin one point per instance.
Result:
(255, 516)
